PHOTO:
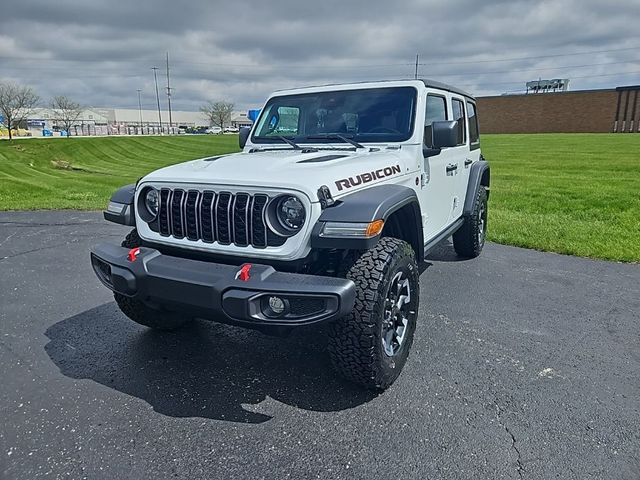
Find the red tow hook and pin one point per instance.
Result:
(243, 274)
(133, 254)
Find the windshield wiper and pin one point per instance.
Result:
(329, 136)
(290, 142)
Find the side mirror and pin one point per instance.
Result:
(243, 136)
(445, 134)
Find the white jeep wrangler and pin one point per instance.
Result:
(326, 215)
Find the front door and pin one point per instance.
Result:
(438, 180)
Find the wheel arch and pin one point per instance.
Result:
(121, 206)
(405, 223)
(479, 176)
(397, 205)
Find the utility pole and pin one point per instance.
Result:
(416, 74)
(140, 108)
(155, 77)
(169, 94)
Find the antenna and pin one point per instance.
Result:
(416, 74)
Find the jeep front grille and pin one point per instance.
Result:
(215, 217)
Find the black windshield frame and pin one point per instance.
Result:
(372, 100)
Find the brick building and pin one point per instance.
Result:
(586, 111)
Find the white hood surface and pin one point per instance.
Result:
(292, 170)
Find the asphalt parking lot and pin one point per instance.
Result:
(525, 365)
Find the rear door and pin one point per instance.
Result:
(460, 158)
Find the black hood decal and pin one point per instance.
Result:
(324, 158)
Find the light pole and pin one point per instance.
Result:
(155, 77)
(140, 108)
(169, 94)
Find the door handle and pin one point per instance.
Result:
(468, 162)
(452, 167)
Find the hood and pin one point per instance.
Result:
(342, 171)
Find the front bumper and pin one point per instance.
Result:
(213, 291)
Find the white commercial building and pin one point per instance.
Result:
(126, 121)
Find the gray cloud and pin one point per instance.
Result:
(100, 52)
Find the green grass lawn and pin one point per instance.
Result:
(82, 173)
(568, 193)
(574, 194)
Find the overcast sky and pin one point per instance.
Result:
(100, 52)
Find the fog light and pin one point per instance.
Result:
(277, 305)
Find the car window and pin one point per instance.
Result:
(474, 130)
(436, 112)
(458, 114)
(366, 115)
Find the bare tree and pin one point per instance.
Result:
(16, 103)
(218, 113)
(66, 112)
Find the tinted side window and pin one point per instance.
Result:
(436, 112)
(474, 131)
(458, 114)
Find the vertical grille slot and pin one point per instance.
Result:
(223, 219)
(241, 219)
(206, 217)
(163, 214)
(191, 217)
(258, 225)
(177, 224)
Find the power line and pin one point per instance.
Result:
(477, 72)
(537, 69)
(277, 65)
(536, 57)
(572, 78)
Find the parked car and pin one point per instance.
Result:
(330, 223)
(213, 130)
(231, 129)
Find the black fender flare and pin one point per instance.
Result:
(479, 175)
(365, 206)
(121, 209)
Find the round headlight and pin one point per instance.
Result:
(290, 213)
(151, 201)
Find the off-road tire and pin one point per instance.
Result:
(138, 311)
(469, 239)
(355, 341)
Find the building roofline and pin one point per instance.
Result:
(628, 87)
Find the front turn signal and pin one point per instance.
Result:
(374, 228)
(352, 230)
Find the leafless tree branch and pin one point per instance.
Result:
(16, 103)
(218, 113)
(66, 112)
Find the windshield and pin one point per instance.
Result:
(365, 115)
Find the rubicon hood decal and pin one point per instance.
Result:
(367, 177)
